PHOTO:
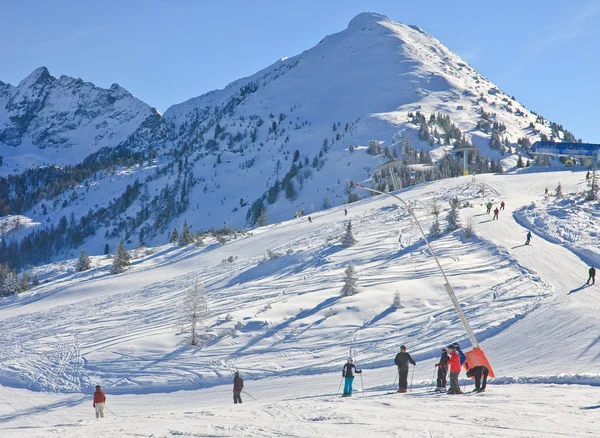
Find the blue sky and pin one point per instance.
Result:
(545, 53)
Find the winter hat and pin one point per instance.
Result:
(444, 350)
(349, 359)
(451, 347)
(97, 386)
(456, 344)
(403, 347)
(236, 374)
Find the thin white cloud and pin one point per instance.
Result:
(570, 28)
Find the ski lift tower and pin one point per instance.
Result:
(465, 151)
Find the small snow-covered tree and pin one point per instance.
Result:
(194, 311)
(452, 218)
(397, 303)
(520, 164)
(106, 249)
(186, 237)
(36, 280)
(350, 287)
(559, 192)
(348, 238)
(435, 229)
(120, 260)
(83, 262)
(11, 284)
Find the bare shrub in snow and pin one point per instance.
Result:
(559, 192)
(239, 325)
(331, 312)
(194, 311)
(469, 228)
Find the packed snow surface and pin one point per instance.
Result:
(528, 305)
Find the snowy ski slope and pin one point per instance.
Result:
(537, 324)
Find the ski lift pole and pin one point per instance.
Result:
(447, 285)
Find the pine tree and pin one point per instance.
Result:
(83, 262)
(174, 238)
(350, 287)
(106, 249)
(36, 280)
(397, 303)
(193, 310)
(520, 164)
(452, 218)
(11, 284)
(348, 239)
(186, 236)
(120, 260)
(24, 285)
(559, 192)
(262, 218)
(435, 229)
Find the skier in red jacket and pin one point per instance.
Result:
(99, 400)
(454, 370)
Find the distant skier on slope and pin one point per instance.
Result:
(345, 212)
(502, 205)
(99, 401)
(454, 370)
(496, 212)
(348, 372)
(477, 372)
(592, 276)
(528, 238)
(442, 373)
(402, 359)
(587, 176)
(309, 220)
(238, 386)
(489, 206)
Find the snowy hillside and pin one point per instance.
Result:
(278, 317)
(45, 120)
(288, 139)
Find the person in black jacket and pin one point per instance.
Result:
(348, 373)
(442, 367)
(401, 361)
(238, 386)
(477, 373)
(592, 276)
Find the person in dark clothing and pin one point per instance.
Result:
(477, 373)
(592, 276)
(528, 238)
(348, 374)
(238, 386)
(402, 360)
(442, 367)
(502, 205)
(309, 220)
(587, 176)
(496, 212)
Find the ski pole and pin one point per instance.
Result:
(249, 395)
(412, 377)
(338, 390)
(362, 387)
(106, 407)
(394, 384)
(432, 379)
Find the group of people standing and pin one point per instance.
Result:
(453, 359)
(489, 206)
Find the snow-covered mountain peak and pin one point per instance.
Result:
(39, 76)
(367, 19)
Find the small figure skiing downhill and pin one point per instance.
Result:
(528, 238)
(489, 206)
(402, 360)
(348, 372)
(496, 212)
(502, 205)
